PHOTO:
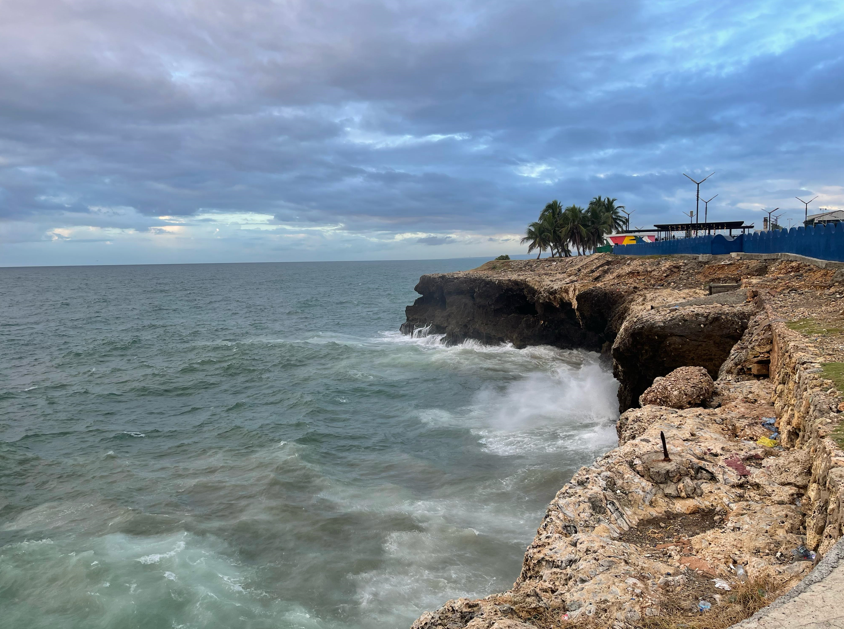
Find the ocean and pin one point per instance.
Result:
(256, 446)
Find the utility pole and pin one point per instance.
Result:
(628, 217)
(697, 183)
(706, 210)
(769, 217)
(806, 207)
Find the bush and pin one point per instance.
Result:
(504, 257)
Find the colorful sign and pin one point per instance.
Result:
(627, 239)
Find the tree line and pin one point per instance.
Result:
(559, 230)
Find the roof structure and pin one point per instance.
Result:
(830, 216)
(704, 227)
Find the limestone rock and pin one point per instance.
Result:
(682, 388)
(654, 343)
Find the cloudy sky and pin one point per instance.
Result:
(138, 131)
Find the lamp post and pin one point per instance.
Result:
(697, 183)
(628, 217)
(706, 210)
(769, 217)
(806, 207)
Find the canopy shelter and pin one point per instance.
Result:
(665, 230)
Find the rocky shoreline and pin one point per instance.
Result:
(634, 537)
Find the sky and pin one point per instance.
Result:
(168, 131)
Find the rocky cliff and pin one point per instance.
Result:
(650, 315)
(638, 536)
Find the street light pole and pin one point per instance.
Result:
(769, 217)
(706, 209)
(697, 183)
(806, 207)
(628, 216)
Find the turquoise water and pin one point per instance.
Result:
(257, 446)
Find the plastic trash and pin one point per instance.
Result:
(740, 573)
(721, 584)
(703, 606)
(801, 553)
(764, 441)
(769, 423)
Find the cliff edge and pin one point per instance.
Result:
(752, 489)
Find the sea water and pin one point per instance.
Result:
(255, 445)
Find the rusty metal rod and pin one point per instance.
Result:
(664, 446)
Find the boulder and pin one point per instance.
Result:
(682, 388)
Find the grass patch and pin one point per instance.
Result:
(742, 602)
(838, 435)
(813, 327)
(834, 372)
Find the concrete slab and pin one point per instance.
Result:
(817, 602)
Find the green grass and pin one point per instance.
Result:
(838, 435)
(835, 372)
(812, 327)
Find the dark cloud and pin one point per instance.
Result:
(434, 240)
(421, 117)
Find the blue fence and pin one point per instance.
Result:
(825, 243)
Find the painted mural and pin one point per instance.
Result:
(628, 239)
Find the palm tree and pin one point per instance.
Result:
(574, 228)
(552, 216)
(538, 237)
(597, 222)
(608, 205)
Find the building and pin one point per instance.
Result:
(825, 217)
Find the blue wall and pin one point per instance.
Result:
(825, 243)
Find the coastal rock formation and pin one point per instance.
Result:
(656, 342)
(751, 357)
(650, 316)
(635, 534)
(497, 311)
(633, 529)
(682, 388)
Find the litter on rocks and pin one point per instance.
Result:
(704, 606)
(801, 553)
(764, 441)
(721, 584)
(769, 423)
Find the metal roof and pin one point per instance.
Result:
(830, 215)
(681, 227)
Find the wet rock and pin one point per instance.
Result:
(682, 388)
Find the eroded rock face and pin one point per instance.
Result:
(751, 356)
(682, 388)
(655, 342)
(633, 528)
(495, 311)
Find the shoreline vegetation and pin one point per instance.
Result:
(750, 496)
(561, 229)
